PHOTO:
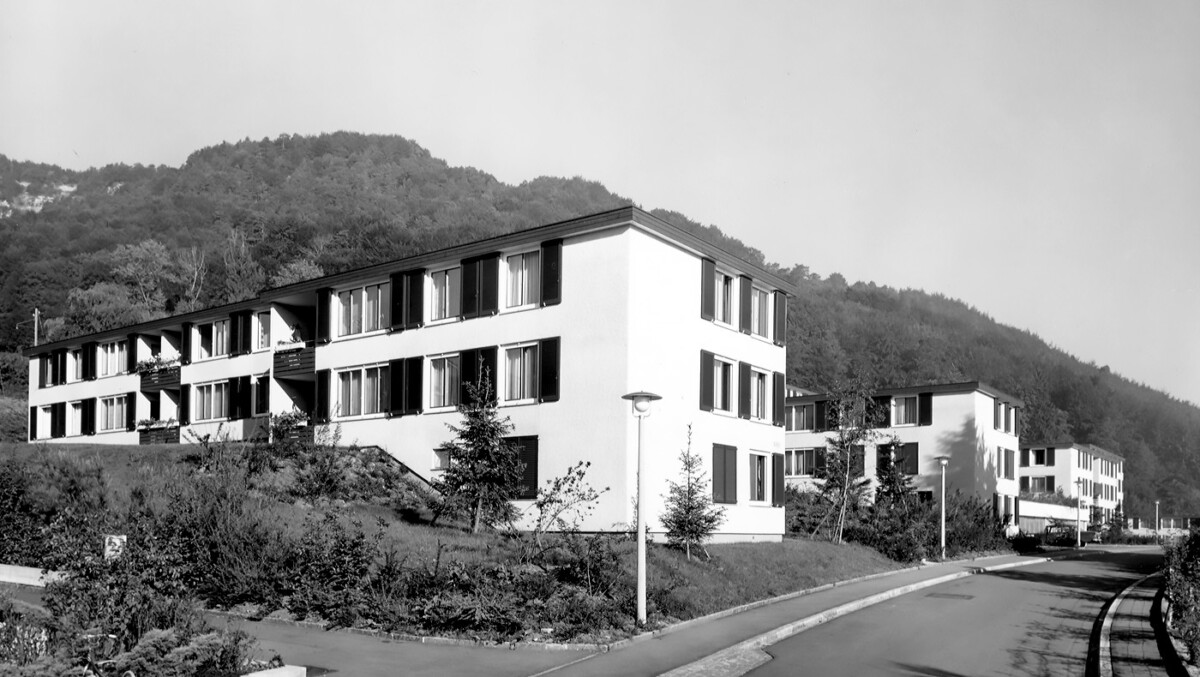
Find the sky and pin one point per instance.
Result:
(1038, 160)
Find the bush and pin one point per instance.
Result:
(1183, 591)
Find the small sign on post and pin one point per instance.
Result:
(114, 545)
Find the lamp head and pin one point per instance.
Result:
(943, 460)
(641, 401)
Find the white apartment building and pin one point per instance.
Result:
(1094, 476)
(976, 427)
(564, 318)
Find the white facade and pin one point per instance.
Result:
(977, 427)
(1094, 476)
(567, 317)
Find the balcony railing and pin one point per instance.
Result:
(166, 378)
(159, 435)
(298, 359)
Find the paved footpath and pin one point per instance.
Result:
(1135, 645)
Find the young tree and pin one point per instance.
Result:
(484, 471)
(853, 417)
(690, 517)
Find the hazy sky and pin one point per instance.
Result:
(1039, 160)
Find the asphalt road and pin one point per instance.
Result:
(1035, 620)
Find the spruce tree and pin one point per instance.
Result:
(690, 517)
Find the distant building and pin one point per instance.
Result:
(1073, 470)
(972, 424)
(566, 318)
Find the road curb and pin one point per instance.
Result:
(1105, 648)
(742, 657)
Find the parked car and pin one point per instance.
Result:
(1062, 535)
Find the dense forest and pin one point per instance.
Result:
(119, 244)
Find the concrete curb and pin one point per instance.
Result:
(741, 658)
(1105, 652)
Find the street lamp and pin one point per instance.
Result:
(1078, 510)
(641, 409)
(1156, 538)
(942, 461)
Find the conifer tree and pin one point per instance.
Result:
(690, 517)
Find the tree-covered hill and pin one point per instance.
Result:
(118, 244)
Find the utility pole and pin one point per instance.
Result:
(36, 321)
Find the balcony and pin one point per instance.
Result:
(164, 378)
(295, 360)
(159, 435)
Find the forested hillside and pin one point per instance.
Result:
(121, 244)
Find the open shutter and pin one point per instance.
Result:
(89, 360)
(743, 390)
(996, 414)
(130, 411)
(778, 391)
(708, 289)
(925, 409)
(59, 419)
(821, 415)
(234, 410)
(820, 461)
(244, 394)
(185, 344)
(718, 480)
(731, 484)
(911, 462)
(489, 284)
(858, 460)
(395, 381)
(1017, 510)
(413, 370)
(706, 381)
(33, 417)
(470, 288)
(882, 411)
(780, 335)
(324, 315)
(88, 425)
(235, 335)
(551, 258)
(61, 365)
(185, 404)
(777, 484)
(744, 317)
(1017, 422)
(527, 452)
(414, 298)
(1024, 458)
(1050, 456)
(1049, 484)
(487, 360)
(548, 361)
(468, 372)
(131, 353)
(397, 301)
(320, 412)
(1024, 484)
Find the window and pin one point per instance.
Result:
(76, 365)
(214, 339)
(723, 311)
(444, 381)
(362, 391)
(76, 423)
(1008, 418)
(758, 477)
(441, 459)
(112, 358)
(264, 331)
(520, 373)
(526, 448)
(262, 395)
(523, 283)
(211, 401)
(1037, 484)
(724, 474)
(447, 293)
(112, 413)
(758, 395)
(364, 309)
(760, 312)
(1010, 472)
(722, 385)
(904, 410)
(1039, 457)
(800, 417)
(799, 462)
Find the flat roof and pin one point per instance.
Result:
(964, 387)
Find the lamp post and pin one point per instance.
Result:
(1156, 538)
(641, 409)
(942, 461)
(1078, 510)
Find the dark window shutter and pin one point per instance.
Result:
(247, 331)
(1024, 458)
(858, 460)
(468, 372)
(1016, 510)
(235, 335)
(780, 318)
(131, 353)
(995, 506)
(747, 289)
(820, 460)
(62, 365)
(925, 409)
(821, 415)
(551, 258)
(321, 409)
(233, 410)
(1010, 464)
(397, 302)
(88, 425)
(33, 417)
(185, 404)
(527, 452)
(996, 422)
(185, 344)
(470, 288)
(548, 364)
(489, 284)
(324, 316)
(396, 387)
(1017, 422)
(413, 369)
(488, 362)
(43, 371)
(1024, 484)
(1050, 484)
(1050, 456)
(89, 360)
(777, 484)
(708, 289)
(911, 459)
(731, 484)
(743, 390)
(778, 391)
(720, 471)
(414, 299)
(60, 419)
(130, 411)
(244, 394)
(706, 381)
(882, 411)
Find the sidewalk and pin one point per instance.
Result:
(1135, 645)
